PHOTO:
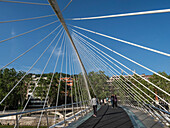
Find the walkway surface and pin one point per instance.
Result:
(146, 120)
(108, 117)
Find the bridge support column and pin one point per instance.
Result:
(57, 10)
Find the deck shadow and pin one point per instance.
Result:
(108, 118)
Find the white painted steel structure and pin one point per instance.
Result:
(79, 52)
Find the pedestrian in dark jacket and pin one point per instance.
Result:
(112, 100)
(115, 100)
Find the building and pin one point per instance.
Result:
(35, 102)
(69, 80)
(117, 77)
(33, 83)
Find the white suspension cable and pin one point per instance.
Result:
(93, 64)
(19, 2)
(28, 31)
(75, 92)
(135, 80)
(138, 82)
(56, 9)
(140, 94)
(87, 43)
(127, 58)
(67, 5)
(129, 91)
(123, 95)
(127, 74)
(84, 75)
(87, 58)
(101, 61)
(44, 67)
(51, 80)
(66, 87)
(9, 21)
(71, 86)
(85, 54)
(76, 85)
(83, 99)
(78, 41)
(143, 104)
(77, 82)
(40, 76)
(77, 79)
(25, 73)
(58, 89)
(127, 67)
(91, 86)
(93, 57)
(131, 94)
(125, 14)
(133, 85)
(123, 41)
(80, 94)
(30, 48)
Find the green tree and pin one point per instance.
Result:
(162, 83)
(97, 81)
(21, 89)
(8, 79)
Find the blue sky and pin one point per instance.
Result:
(148, 30)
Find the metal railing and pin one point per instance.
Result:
(53, 108)
(164, 116)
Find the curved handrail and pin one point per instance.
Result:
(158, 109)
(36, 110)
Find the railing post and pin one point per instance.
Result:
(64, 115)
(81, 109)
(84, 102)
(47, 118)
(17, 123)
(74, 113)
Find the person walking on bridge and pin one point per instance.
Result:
(112, 100)
(94, 104)
(115, 100)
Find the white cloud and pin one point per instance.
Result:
(59, 52)
(24, 68)
(33, 70)
(13, 32)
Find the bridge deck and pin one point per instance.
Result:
(108, 117)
